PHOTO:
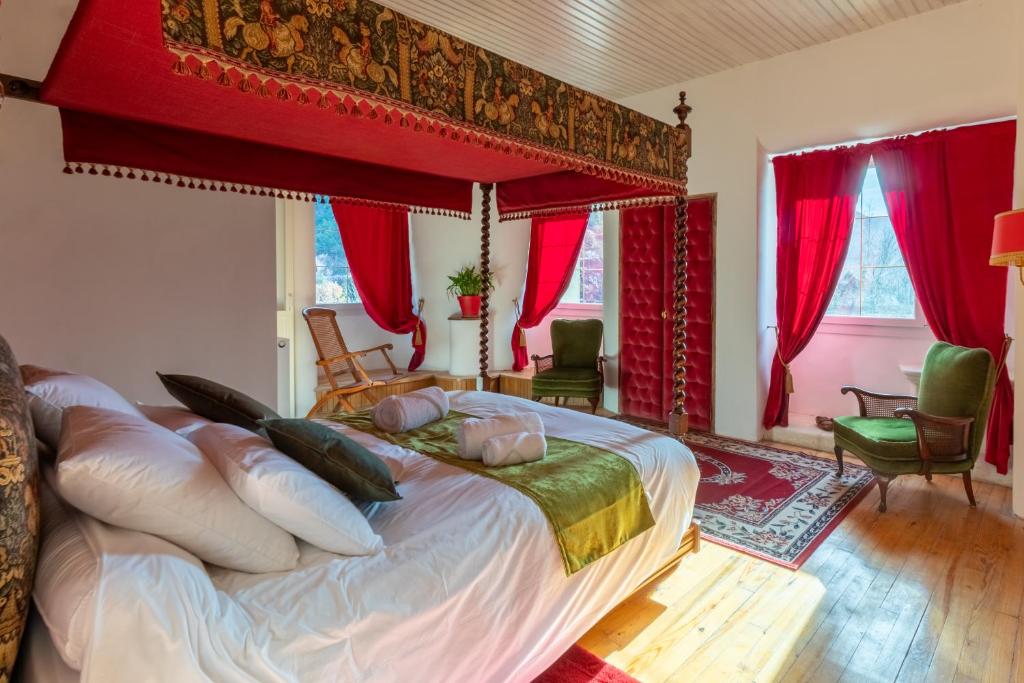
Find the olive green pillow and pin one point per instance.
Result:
(217, 402)
(335, 458)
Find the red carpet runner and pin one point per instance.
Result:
(579, 666)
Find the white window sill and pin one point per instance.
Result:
(578, 309)
(909, 328)
(345, 309)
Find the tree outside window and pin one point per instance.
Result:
(874, 282)
(334, 283)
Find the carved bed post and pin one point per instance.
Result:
(678, 420)
(485, 271)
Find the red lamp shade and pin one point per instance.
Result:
(1008, 239)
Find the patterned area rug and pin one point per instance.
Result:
(775, 504)
(579, 666)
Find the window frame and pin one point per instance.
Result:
(344, 308)
(862, 321)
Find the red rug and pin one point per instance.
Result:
(579, 666)
(771, 503)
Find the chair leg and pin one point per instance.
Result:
(927, 476)
(883, 488)
(969, 489)
(839, 458)
(556, 401)
(593, 405)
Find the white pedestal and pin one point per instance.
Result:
(464, 346)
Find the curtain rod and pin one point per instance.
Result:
(19, 88)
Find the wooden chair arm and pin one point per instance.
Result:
(940, 438)
(541, 363)
(875, 404)
(351, 355)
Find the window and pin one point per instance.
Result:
(874, 282)
(587, 284)
(334, 284)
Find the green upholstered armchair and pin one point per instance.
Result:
(938, 431)
(575, 368)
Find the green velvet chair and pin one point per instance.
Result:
(575, 369)
(938, 431)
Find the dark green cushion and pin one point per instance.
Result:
(217, 402)
(958, 382)
(576, 382)
(335, 458)
(576, 343)
(885, 438)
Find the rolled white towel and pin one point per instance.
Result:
(514, 449)
(475, 430)
(408, 411)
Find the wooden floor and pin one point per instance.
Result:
(931, 590)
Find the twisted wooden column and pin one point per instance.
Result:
(678, 420)
(485, 272)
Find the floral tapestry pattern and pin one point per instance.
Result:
(358, 48)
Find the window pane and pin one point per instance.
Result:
(880, 246)
(872, 201)
(887, 293)
(334, 284)
(587, 285)
(874, 281)
(846, 299)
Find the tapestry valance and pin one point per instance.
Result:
(360, 58)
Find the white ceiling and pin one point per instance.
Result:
(615, 48)
(619, 48)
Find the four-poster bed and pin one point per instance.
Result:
(353, 102)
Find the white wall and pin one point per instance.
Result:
(954, 65)
(119, 278)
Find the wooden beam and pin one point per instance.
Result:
(678, 420)
(18, 88)
(485, 271)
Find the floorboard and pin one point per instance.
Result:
(932, 590)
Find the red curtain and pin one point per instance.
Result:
(554, 248)
(815, 197)
(942, 190)
(376, 244)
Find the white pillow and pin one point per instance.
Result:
(129, 472)
(51, 391)
(179, 420)
(285, 492)
(67, 575)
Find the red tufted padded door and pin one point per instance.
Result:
(645, 376)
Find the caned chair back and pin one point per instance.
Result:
(323, 326)
(958, 382)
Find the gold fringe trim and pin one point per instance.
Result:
(193, 183)
(614, 205)
(303, 91)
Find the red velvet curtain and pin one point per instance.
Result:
(555, 244)
(942, 190)
(816, 194)
(376, 244)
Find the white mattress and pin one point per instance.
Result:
(471, 586)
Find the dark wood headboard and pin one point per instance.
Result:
(19, 510)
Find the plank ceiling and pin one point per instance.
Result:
(619, 48)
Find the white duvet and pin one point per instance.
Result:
(470, 587)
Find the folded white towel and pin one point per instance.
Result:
(408, 411)
(514, 449)
(474, 431)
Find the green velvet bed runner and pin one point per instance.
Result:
(592, 497)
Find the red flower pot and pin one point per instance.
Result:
(470, 306)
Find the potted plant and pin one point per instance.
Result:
(468, 284)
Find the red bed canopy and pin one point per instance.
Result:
(348, 100)
(344, 98)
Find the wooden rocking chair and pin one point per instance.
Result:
(340, 366)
